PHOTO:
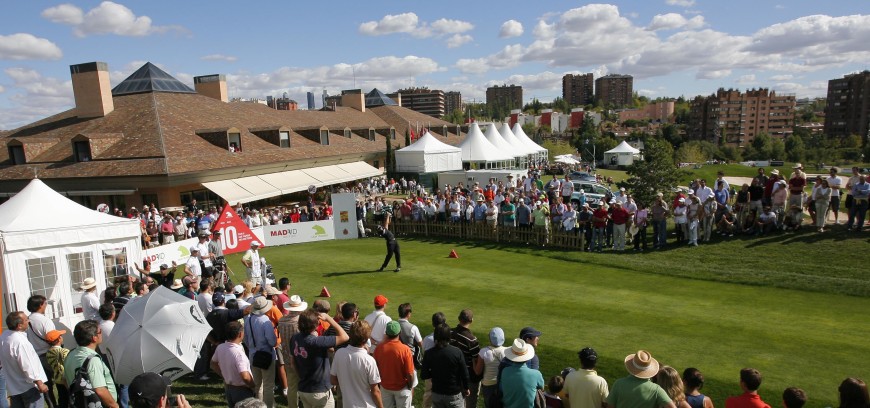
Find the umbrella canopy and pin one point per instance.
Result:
(161, 332)
(567, 160)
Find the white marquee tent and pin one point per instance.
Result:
(540, 153)
(621, 155)
(428, 154)
(521, 150)
(480, 153)
(493, 136)
(49, 244)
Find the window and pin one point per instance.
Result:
(115, 263)
(42, 277)
(204, 198)
(372, 135)
(376, 164)
(16, 153)
(82, 151)
(284, 139)
(80, 268)
(235, 142)
(324, 137)
(347, 133)
(150, 199)
(392, 134)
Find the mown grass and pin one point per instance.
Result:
(794, 306)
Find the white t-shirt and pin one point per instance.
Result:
(106, 327)
(836, 183)
(193, 264)
(378, 320)
(356, 371)
(205, 302)
(567, 188)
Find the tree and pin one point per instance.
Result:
(657, 172)
(691, 153)
(731, 153)
(390, 160)
(794, 149)
(761, 143)
(672, 134)
(408, 137)
(777, 150)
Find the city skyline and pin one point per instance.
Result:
(671, 47)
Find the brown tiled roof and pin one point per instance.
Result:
(400, 117)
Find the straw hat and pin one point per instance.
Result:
(88, 283)
(641, 364)
(176, 284)
(295, 304)
(521, 351)
(261, 305)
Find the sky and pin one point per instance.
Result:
(670, 47)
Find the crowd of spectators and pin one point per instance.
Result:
(269, 347)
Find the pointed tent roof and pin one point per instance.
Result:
(377, 98)
(150, 78)
(623, 147)
(495, 138)
(523, 138)
(475, 147)
(429, 144)
(508, 135)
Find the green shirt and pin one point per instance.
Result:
(508, 210)
(519, 384)
(97, 371)
(633, 392)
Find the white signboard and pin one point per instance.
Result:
(344, 216)
(297, 233)
(165, 254)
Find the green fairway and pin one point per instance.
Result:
(679, 304)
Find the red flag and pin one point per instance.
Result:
(235, 235)
(413, 135)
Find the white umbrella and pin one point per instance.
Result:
(567, 160)
(161, 332)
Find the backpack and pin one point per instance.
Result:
(81, 391)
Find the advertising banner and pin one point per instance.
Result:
(344, 216)
(297, 233)
(235, 235)
(165, 254)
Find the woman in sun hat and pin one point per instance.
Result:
(519, 383)
(636, 389)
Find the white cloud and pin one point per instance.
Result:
(23, 46)
(219, 57)
(510, 29)
(64, 14)
(544, 30)
(713, 74)
(2, 89)
(672, 21)
(816, 36)
(508, 57)
(785, 77)
(445, 26)
(107, 18)
(746, 79)
(34, 97)
(391, 24)
(457, 40)
(682, 3)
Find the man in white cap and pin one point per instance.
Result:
(193, 267)
(637, 390)
(251, 260)
(90, 302)
(519, 383)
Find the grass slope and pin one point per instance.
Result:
(677, 304)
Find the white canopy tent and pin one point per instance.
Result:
(621, 155)
(49, 244)
(480, 153)
(540, 152)
(522, 150)
(493, 136)
(427, 155)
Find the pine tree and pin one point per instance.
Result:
(657, 172)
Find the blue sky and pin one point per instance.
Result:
(671, 47)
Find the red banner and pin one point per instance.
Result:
(235, 235)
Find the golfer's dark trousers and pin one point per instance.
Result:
(392, 247)
(234, 394)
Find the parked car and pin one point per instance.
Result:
(594, 192)
(581, 176)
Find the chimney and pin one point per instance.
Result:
(92, 89)
(353, 98)
(213, 86)
(515, 114)
(398, 99)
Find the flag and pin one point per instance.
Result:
(235, 235)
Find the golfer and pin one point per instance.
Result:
(392, 247)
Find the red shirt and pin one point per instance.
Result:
(677, 200)
(796, 184)
(599, 218)
(747, 400)
(620, 216)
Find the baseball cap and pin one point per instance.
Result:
(380, 300)
(218, 298)
(53, 335)
(527, 332)
(588, 354)
(146, 389)
(393, 328)
(255, 243)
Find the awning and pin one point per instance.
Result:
(253, 188)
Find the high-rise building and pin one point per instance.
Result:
(452, 102)
(848, 106)
(577, 89)
(423, 100)
(614, 90)
(505, 96)
(310, 97)
(739, 116)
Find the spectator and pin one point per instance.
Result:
(151, 390)
(90, 302)
(670, 381)
(411, 337)
(750, 381)
(519, 383)
(438, 319)
(554, 387)
(25, 378)
(462, 338)
(584, 388)
(793, 397)
(694, 381)
(487, 364)
(311, 359)
(40, 325)
(531, 336)
(232, 364)
(356, 372)
(88, 336)
(853, 394)
(445, 365)
(395, 364)
(260, 336)
(378, 319)
(287, 328)
(636, 390)
(55, 358)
